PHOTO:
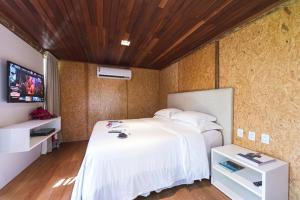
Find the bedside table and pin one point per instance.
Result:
(239, 184)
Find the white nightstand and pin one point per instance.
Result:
(239, 185)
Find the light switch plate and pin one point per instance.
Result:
(240, 132)
(265, 138)
(251, 135)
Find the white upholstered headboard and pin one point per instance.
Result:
(217, 102)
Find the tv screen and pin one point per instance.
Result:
(24, 85)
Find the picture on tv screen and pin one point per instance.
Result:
(24, 85)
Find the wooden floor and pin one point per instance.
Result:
(52, 177)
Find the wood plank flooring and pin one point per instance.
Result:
(52, 177)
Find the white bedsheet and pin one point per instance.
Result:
(157, 154)
(213, 138)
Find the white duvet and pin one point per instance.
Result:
(157, 154)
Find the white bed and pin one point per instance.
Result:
(158, 154)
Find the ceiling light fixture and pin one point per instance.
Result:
(125, 43)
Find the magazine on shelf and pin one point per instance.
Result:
(231, 166)
(255, 159)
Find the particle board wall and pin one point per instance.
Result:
(107, 98)
(73, 86)
(143, 93)
(261, 62)
(168, 79)
(197, 70)
(193, 72)
(96, 99)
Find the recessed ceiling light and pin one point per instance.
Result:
(125, 42)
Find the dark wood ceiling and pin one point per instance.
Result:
(160, 31)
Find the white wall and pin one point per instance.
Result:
(16, 50)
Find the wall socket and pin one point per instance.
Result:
(265, 138)
(240, 132)
(251, 135)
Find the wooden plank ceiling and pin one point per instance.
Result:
(160, 31)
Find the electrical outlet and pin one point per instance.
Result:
(240, 132)
(251, 135)
(265, 138)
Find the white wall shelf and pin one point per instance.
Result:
(16, 137)
(239, 184)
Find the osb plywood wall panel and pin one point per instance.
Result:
(168, 83)
(73, 79)
(194, 72)
(197, 71)
(262, 63)
(107, 98)
(143, 93)
(87, 99)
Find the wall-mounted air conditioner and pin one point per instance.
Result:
(113, 73)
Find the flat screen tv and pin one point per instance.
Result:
(24, 85)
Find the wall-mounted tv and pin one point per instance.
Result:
(23, 85)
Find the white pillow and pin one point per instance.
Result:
(208, 126)
(167, 112)
(160, 117)
(203, 125)
(193, 117)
